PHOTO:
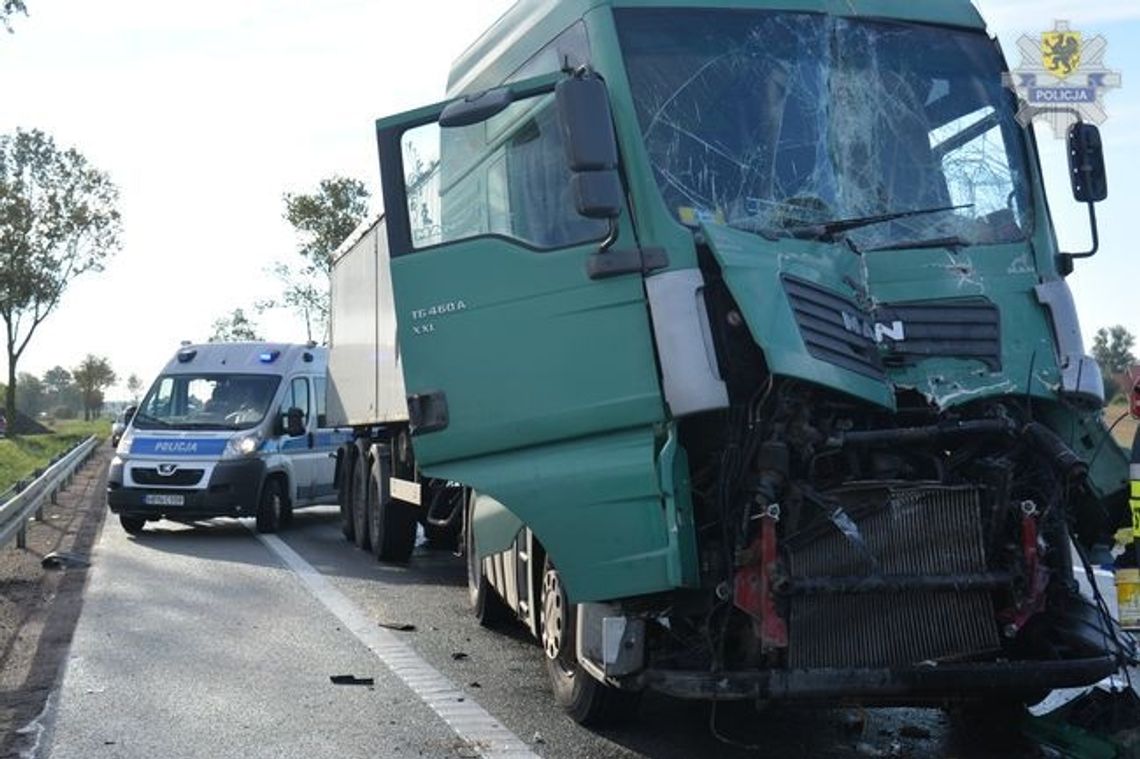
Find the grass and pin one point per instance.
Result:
(1125, 429)
(21, 456)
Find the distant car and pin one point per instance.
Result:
(119, 426)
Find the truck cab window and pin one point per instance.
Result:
(506, 176)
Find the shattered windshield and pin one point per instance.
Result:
(206, 401)
(797, 124)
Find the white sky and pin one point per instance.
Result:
(205, 113)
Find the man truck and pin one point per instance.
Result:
(734, 339)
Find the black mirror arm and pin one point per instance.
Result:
(1095, 235)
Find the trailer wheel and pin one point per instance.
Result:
(270, 507)
(489, 609)
(391, 523)
(344, 495)
(133, 525)
(359, 496)
(586, 700)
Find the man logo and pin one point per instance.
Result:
(166, 470)
(877, 331)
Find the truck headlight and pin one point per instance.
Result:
(241, 446)
(125, 443)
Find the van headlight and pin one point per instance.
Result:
(125, 441)
(241, 446)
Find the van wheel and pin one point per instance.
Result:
(359, 497)
(270, 507)
(489, 609)
(344, 495)
(391, 523)
(133, 525)
(586, 700)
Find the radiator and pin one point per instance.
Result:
(923, 530)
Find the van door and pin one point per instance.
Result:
(506, 340)
(300, 449)
(326, 441)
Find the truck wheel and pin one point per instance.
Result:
(344, 494)
(391, 523)
(586, 700)
(359, 497)
(133, 525)
(489, 609)
(270, 507)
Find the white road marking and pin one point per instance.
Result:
(482, 732)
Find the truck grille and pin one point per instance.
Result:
(965, 328)
(833, 328)
(919, 531)
(179, 478)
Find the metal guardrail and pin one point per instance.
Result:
(23, 500)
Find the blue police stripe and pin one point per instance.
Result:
(157, 446)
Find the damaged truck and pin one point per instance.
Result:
(732, 341)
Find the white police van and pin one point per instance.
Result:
(228, 429)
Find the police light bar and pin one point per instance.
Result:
(268, 357)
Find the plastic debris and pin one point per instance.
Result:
(1100, 724)
(398, 626)
(63, 560)
(351, 680)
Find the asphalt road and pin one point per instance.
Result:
(210, 641)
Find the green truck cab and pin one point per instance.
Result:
(737, 336)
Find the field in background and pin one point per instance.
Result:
(20, 457)
(1126, 427)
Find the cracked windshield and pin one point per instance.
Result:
(803, 125)
(207, 402)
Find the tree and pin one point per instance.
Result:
(31, 395)
(58, 220)
(9, 8)
(92, 375)
(234, 327)
(134, 387)
(323, 220)
(1112, 349)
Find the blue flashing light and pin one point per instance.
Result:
(268, 357)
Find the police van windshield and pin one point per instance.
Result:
(777, 122)
(207, 401)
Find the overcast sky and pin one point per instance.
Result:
(205, 113)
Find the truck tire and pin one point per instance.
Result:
(359, 496)
(391, 523)
(270, 506)
(489, 609)
(586, 700)
(344, 492)
(133, 525)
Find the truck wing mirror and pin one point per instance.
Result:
(1089, 180)
(294, 422)
(1086, 164)
(591, 148)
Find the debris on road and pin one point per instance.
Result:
(64, 560)
(1101, 724)
(397, 626)
(351, 680)
(537, 738)
(458, 655)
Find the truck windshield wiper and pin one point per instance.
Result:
(829, 229)
(937, 242)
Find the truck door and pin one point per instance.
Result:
(506, 340)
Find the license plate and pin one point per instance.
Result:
(163, 499)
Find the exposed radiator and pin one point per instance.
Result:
(917, 531)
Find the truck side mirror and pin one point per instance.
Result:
(587, 129)
(294, 422)
(1086, 164)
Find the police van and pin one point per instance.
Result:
(228, 429)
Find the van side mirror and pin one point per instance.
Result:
(587, 129)
(1086, 164)
(294, 422)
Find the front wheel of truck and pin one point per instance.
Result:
(587, 700)
(270, 506)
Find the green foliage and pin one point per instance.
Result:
(9, 8)
(323, 220)
(234, 327)
(21, 457)
(65, 412)
(1112, 348)
(58, 220)
(92, 375)
(134, 387)
(31, 395)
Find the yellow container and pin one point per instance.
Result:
(1128, 597)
